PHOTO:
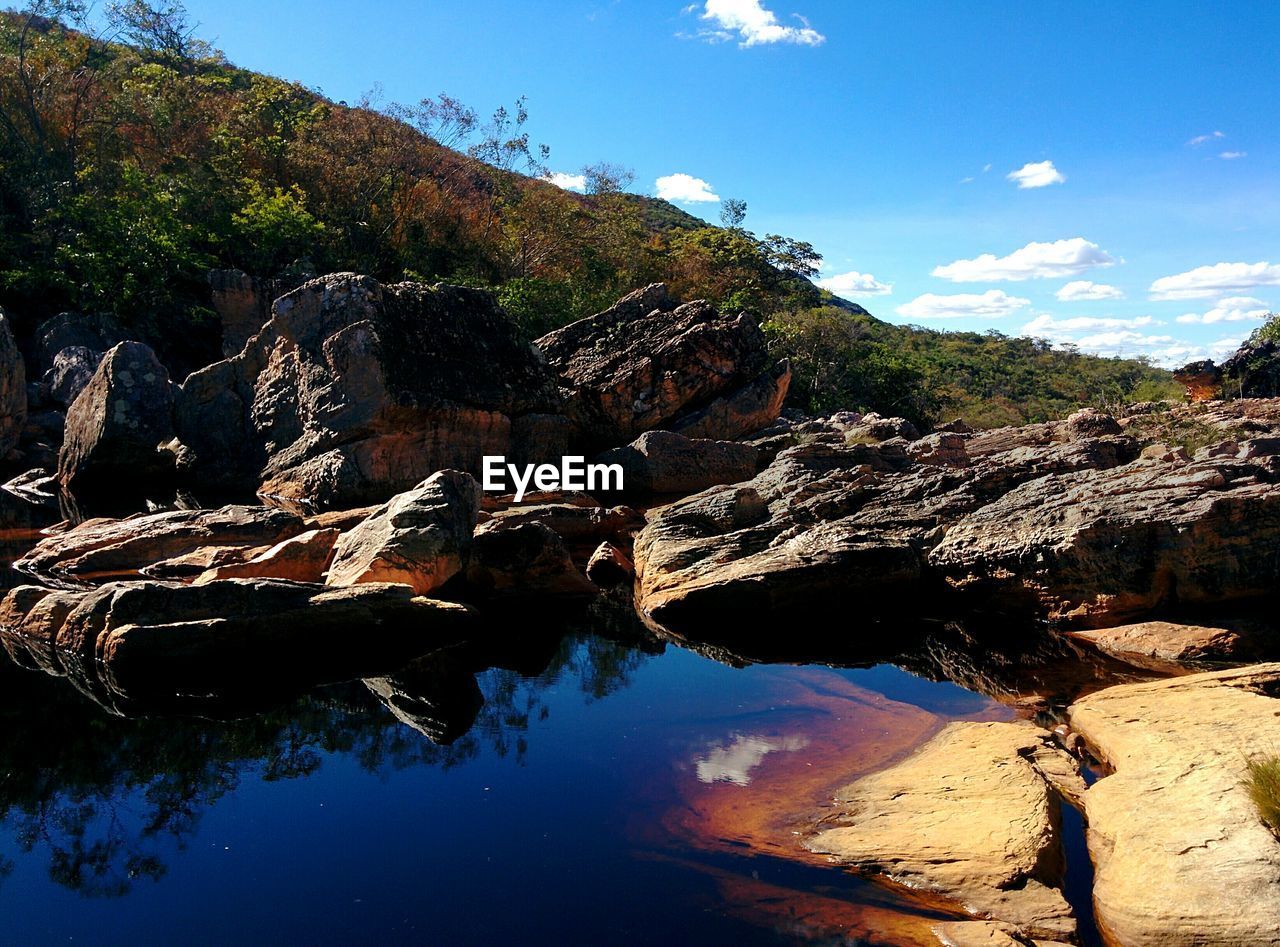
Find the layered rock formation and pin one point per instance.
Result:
(1181, 854)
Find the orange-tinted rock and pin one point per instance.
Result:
(609, 566)
(302, 558)
(523, 559)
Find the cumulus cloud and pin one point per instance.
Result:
(853, 285)
(686, 189)
(1036, 174)
(1045, 326)
(1232, 155)
(1201, 139)
(1124, 338)
(570, 182)
(1034, 261)
(993, 304)
(1082, 290)
(751, 24)
(1219, 279)
(1230, 309)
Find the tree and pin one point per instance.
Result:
(733, 212)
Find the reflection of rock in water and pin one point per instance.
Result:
(733, 762)
(437, 695)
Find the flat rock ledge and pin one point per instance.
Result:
(972, 816)
(1180, 854)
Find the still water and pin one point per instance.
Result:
(605, 791)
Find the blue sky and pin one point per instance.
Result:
(959, 165)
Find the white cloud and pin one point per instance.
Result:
(1230, 309)
(993, 304)
(1201, 139)
(1036, 174)
(1045, 326)
(733, 762)
(1220, 279)
(570, 182)
(1232, 155)
(854, 284)
(686, 189)
(752, 25)
(1034, 261)
(1082, 290)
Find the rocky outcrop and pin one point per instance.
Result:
(1090, 422)
(13, 389)
(243, 305)
(302, 558)
(72, 370)
(646, 362)
(522, 560)
(354, 391)
(1203, 380)
(117, 423)
(148, 640)
(420, 538)
(108, 547)
(663, 462)
(575, 522)
(1166, 642)
(1254, 370)
(609, 566)
(973, 816)
(1181, 856)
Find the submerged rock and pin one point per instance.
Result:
(972, 815)
(1181, 855)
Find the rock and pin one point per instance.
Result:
(354, 391)
(152, 640)
(243, 305)
(574, 522)
(1254, 370)
(1164, 641)
(107, 547)
(437, 695)
(420, 538)
(1090, 422)
(940, 450)
(1202, 379)
(749, 409)
(646, 362)
(663, 462)
(872, 427)
(75, 330)
(523, 559)
(609, 566)
(13, 388)
(117, 422)
(302, 558)
(1101, 547)
(972, 816)
(73, 368)
(1175, 808)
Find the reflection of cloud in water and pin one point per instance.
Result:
(733, 763)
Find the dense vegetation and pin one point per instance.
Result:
(135, 158)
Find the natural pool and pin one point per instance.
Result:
(606, 791)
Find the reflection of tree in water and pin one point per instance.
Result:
(104, 795)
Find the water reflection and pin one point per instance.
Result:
(733, 763)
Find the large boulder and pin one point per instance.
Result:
(518, 560)
(420, 538)
(243, 305)
(354, 391)
(666, 462)
(972, 816)
(1180, 853)
(118, 422)
(13, 389)
(72, 370)
(647, 363)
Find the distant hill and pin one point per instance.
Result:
(130, 168)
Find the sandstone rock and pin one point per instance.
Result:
(523, 559)
(152, 640)
(574, 522)
(115, 547)
(1098, 547)
(1090, 422)
(1169, 642)
(645, 362)
(1180, 854)
(664, 462)
(749, 409)
(117, 422)
(354, 391)
(873, 427)
(1202, 379)
(420, 538)
(243, 305)
(609, 566)
(972, 815)
(940, 450)
(302, 558)
(73, 368)
(13, 388)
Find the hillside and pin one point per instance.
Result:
(130, 168)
